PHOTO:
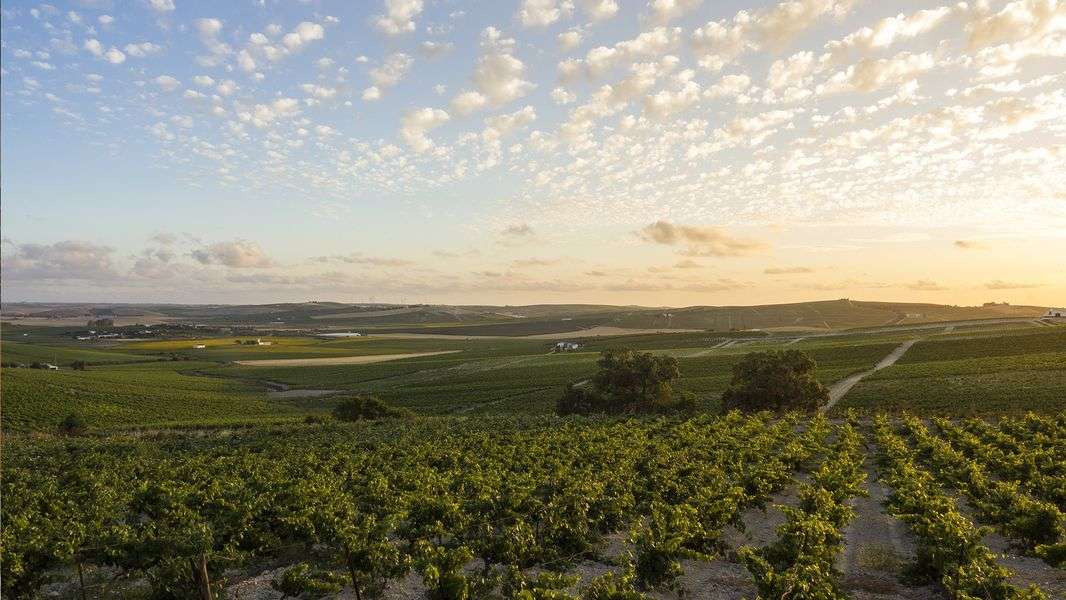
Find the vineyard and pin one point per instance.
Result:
(715, 507)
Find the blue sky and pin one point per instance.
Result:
(654, 151)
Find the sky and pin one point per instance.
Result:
(653, 152)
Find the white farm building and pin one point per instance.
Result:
(566, 346)
(1055, 313)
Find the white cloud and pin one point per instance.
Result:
(105, 20)
(431, 49)
(304, 33)
(142, 49)
(238, 254)
(167, 83)
(1018, 20)
(161, 5)
(500, 125)
(871, 74)
(568, 40)
(416, 123)
(599, 10)
(371, 94)
(888, 31)
(392, 70)
(203, 81)
(663, 11)
(498, 75)
(399, 16)
(467, 102)
(115, 56)
(541, 13)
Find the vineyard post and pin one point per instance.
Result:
(81, 579)
(200, 576)
(351, 571)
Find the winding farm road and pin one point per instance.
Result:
(842, 387)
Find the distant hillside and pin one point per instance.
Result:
(529, 319)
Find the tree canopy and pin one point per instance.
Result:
(365, 407)
(775, 381)
(627, 382)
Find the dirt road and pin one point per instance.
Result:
(838, 389)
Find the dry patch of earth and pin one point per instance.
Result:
(337, 360)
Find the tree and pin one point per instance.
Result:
(365, 407)
(628, 382)
(775, 381)
(78, 365)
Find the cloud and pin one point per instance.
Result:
(304, 33)
(888, 31)
(161, 5)
(391, 70)
(999, 284)
(787, 270)
(970, 245)
(1018, 20)
(700, 241)
(518, 230)
(924, 285)
(238, 254)
(568, 40)
(872, 74)
(142, 49)
(500, 125)
(534, 262)
(498, 76)
(416, 123)
(167, 83)
(663, 11)
(399, 16)
(359, 259)
(541, 13)
(599, 10)
(70, 259)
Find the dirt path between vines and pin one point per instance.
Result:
(842, 387)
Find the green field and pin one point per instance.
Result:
(962, 371)
(1002, 371)
(150, 395)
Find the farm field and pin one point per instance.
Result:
(972, 371)
(710, 507)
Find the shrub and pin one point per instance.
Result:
(72, 424)
(775, 381)
(628, 382)
(365, 407)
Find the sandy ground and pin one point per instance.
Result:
(604, 330)
(337, 360)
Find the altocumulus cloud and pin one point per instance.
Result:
(237, 254)
(700, 241)
(70, 259)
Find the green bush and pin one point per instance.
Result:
(628, 382)
(72, 424)
(362, 408)
(775, 381)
